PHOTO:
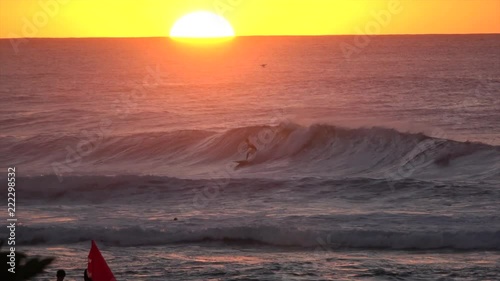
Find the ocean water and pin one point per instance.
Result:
(380, 164)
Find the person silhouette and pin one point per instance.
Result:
(60, 275)
(86, 276)
(251, 149)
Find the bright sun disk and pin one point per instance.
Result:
(202, 25)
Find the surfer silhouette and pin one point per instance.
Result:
(251, 149)
(60, 275)
(86, 276)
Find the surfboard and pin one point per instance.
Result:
(241, 163)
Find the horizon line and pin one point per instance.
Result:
(240, 36)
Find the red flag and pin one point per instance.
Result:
(98, 269)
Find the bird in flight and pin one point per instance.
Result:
(263, 65)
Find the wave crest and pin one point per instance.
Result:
(289, 148)
(268, 235)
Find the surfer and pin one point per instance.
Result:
(60, 275)
(251, 149)
(86, 276)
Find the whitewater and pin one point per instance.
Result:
(380, 166)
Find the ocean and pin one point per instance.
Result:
(378, 158)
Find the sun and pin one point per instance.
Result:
(202, 24)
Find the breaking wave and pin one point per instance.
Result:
(322, 150)
(268, 235)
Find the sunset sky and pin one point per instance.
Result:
(154, 18)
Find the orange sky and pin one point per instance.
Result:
(145, 18)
